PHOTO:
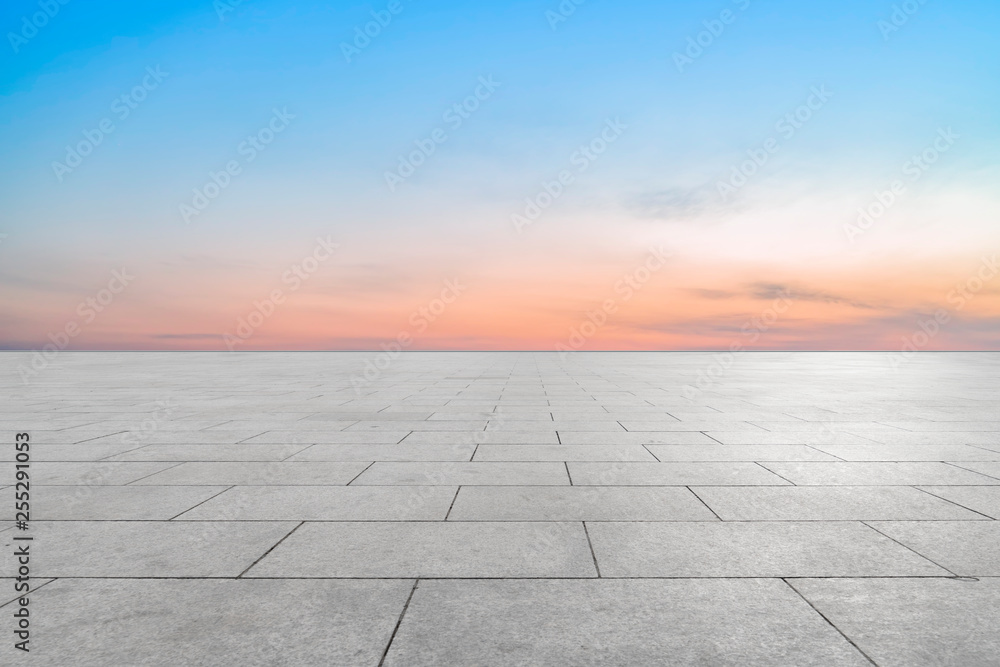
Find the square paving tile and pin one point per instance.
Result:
(116, 503)
(983, 499)
(913, 622)
(100, 622)
(966, 548)
(327, 503)
(578, 503)
(456, 474)
(830, 503)
(146, 548)
(671, 474)
(759, 549)
(615, 622)
(432, 549)
(257, 473)
(876, 474)
(563, 453)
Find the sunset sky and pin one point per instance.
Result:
(500, 175)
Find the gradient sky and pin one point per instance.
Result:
(783, 241)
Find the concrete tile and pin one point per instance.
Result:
(499, 437)
(761, 549)
(787, 438)
(660, 438)
(209, 453)
(458, 474)
(326, 503)
(147, 548)
(909, 452)
(180, 437)
(431, 549)
(86, 473)
(311, 437)
(401, 452)
(563, 453)
(913, 622)
(967, 548)
(116, 503)
(87, 452)
(990, 468)
(670, 474)
(986, 438)
(984, 499)
(876, 474)
(615, 623)
(252, 473)
(578, 503)
(213, 622)
(829, 503)
(738, 453)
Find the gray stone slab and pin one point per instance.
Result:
(85, 452)
(179, 437)
(578, 503)
(830, 503)
(966, 548)
(671, 474)
(787, 438)
(457, 474)
(760, 549)
(615, 623)
(431, 549)
(738, 453)
(400, 452)
(210, 453)
(986, 438)
(497, 437)
(310, 437)
(913, 622)
(90, 474)
(257, 473)
(563, 453)
(147, 548)
(989, 468)
(909, 452)
(645, 438)
(327, 503)
(95, 623)
(876, 474)
(984, 499)
(115, 503)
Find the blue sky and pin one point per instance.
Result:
(559, 84)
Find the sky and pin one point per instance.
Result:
(421, 174)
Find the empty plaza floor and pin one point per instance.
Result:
(505, 508)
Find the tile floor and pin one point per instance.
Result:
(507, 508)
